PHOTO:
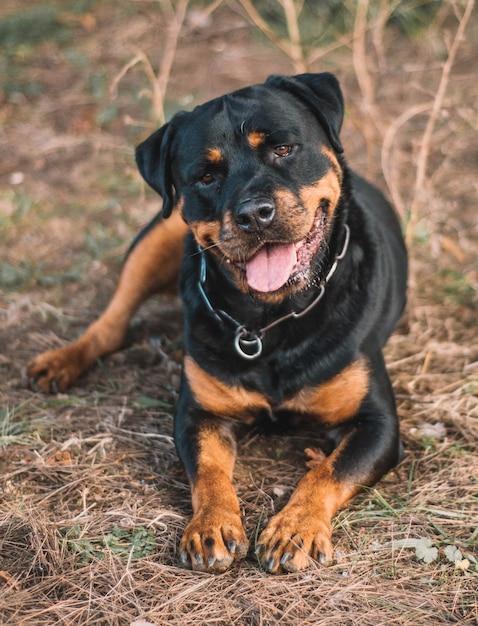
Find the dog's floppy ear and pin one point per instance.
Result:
(154, 163)
(322, 94)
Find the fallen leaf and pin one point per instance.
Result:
(432, 431)
(425, 551)
(60, 457)
(453, 554)
(462, 565)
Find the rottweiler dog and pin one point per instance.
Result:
(293, 274)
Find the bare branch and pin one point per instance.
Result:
(264, 27)
(389, 169)
(169, 52)
(361, 62)
(120, 75)
(296, 49)
(158, 83)
(424, 153)
(318, 53)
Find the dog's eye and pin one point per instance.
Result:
(283, 150)
(206, 179)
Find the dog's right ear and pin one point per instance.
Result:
(153, 158)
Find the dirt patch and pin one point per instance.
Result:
(93, 500)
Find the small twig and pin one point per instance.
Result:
(209, 10)
(167, 61)
(297, 52)
(264, 27)
(319, 53)
(378, 30)
(123, 71)
(375, 27)
(158, 82)
(361, 61)
(424, 152)
(390, 171)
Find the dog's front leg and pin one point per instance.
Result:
(302, 530)
(215, 536)
(152, 266)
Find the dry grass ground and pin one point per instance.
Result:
(92, 497)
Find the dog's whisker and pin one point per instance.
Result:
(213, 245)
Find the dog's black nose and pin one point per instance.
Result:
(255, 215)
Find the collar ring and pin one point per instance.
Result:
(247, 344)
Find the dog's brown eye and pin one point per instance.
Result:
(282, 150)
(206, 179)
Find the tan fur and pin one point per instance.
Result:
(290, 210)
(331, 156)
(216, 517)
(152, 266)
(336, 400)
(206, 233)
(214, 155)
(304, 526)
(219, 398)
(255, 139)
(214, 472)
(326, 188)
(331, 402)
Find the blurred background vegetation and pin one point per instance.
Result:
(83, 81)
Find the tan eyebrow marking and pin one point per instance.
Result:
(214, 155)
(256, 139)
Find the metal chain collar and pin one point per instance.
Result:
(247, 343)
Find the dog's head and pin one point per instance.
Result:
(255, 174)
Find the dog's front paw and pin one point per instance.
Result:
(213, 539)
(292, 538)
(56, 370)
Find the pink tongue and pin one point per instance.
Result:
(271, 267)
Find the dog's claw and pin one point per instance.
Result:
(183, 557)
(269, 565)
(259, 549)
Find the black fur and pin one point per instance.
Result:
(362, 302)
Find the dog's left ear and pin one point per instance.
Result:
(153, 158)
(322, 94)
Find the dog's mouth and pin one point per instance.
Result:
(277, 264)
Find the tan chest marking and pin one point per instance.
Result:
(332, 402)
(336, 400)
(221, 399)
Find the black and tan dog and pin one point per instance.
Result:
(293, 275)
